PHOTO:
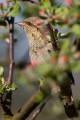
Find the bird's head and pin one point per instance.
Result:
(30, 22)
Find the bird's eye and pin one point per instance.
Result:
(49, 51)
(29, 23)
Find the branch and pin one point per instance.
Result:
(53, 39)
(36, 113)
(11, 49)
(29, 106)
(6, 103)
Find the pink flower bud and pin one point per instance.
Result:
(56, 17)
(33, 64)
(77, 55)
(68, 1)
(7, 2)
(1, 4)
(64, 59)
(38, 22)
(65, 20)
(53, 60)
(42, 12)
(76, 15)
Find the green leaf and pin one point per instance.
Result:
(75, 67)
(5, 7)
(44, 69)
(10, 88)
(15, 11)
(1, 71)
(62, 11)
(2, 88)
(76, 29)
(65, 35)
(2, 81)
(45, 4)
(66, 47)
(40, 97)
(14, 87)
(3, 23)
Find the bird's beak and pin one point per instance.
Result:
(19, 23)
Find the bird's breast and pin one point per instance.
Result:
(38, 44)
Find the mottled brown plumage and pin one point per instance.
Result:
(39, 37)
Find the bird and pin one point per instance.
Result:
(38, 38)
(41, 45)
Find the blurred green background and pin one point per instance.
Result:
(21, 53)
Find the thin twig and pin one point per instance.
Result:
(29, 106)
(11, 49)
(6, 103)
(38, 111)
(53, 39)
